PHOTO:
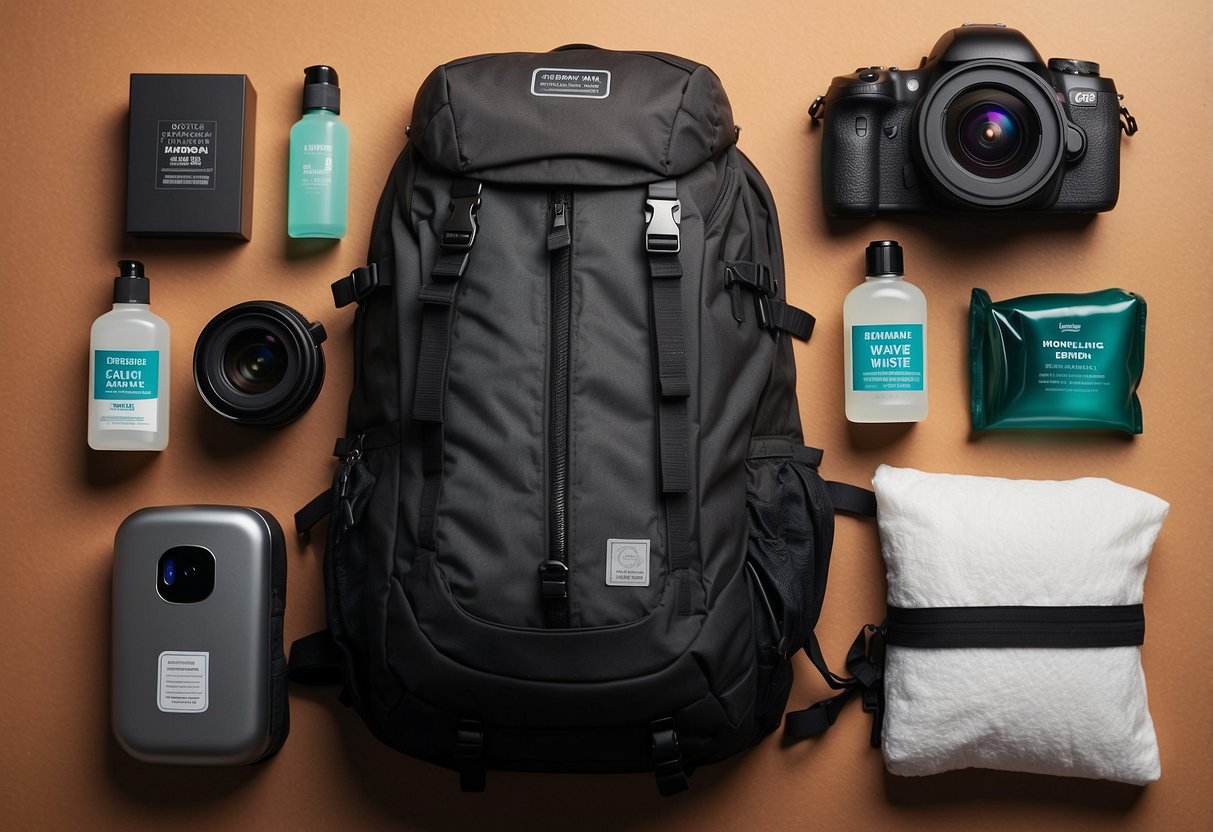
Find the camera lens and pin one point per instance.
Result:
(991, 133)
(255, 361)
(186, 574)
(260, 363)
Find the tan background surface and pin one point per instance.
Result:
(65, 67)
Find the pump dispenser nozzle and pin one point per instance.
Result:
(131, 286)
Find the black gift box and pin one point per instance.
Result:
(190, 163)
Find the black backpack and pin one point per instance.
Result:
(574, 527)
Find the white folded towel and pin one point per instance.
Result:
(951, 540)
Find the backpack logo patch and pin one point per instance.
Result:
(627, 562)
(571, 83)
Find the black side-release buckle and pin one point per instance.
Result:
(662, 235)
(553, 580)
(460, 230)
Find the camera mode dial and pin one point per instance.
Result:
(1072, 66)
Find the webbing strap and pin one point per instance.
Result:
(787, 318)
(438, 301)
(663, 242)
(1017, 626)
(773, 313)
(678, 540)
(362, 281)
(315, 660)
(865, 663)
(320, 507)
(851, 499)
(432, 440)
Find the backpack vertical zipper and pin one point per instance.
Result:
(554, 572)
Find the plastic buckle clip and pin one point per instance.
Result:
(553, 580)
(662, 235)
(461, 227)
(365, 280)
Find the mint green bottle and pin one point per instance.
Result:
(319, 180)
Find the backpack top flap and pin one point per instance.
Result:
(575, 116)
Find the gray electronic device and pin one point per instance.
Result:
(199, 675)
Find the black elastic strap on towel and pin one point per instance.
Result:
(1063, 627)
(1081, 627)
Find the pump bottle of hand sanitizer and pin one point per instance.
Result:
(129, 370)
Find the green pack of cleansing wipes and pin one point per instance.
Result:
(1057, 361)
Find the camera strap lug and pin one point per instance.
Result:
(1127, 122)
(816, 107)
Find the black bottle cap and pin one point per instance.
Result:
(131, 286)
(321, 90)
(884, 257)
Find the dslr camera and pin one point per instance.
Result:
(982, 124)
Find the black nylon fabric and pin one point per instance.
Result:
(662, 118)
(438, 629)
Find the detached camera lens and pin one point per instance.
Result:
(255, 361)
(260, 363)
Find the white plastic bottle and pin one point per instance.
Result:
(129, 363)
(885, 342)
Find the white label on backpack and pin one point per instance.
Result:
(183, 682)
(627, 562)
(571, 83)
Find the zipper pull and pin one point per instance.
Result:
(347, 495)
(559, 236)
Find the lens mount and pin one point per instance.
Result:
(259, 363)
(990, 134)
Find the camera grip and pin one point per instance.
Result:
(1093, 184)
(850, 160)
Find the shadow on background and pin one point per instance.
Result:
(222, 438)
(1009, 787)
(874, 436)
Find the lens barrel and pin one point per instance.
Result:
(990, 135)
(260, 363)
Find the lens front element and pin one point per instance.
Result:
(255, 361)
(991, 133)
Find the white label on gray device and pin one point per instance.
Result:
(183, 682)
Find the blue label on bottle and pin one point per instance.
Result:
(887, 357)
(126, 375)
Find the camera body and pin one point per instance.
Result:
(982, 124)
